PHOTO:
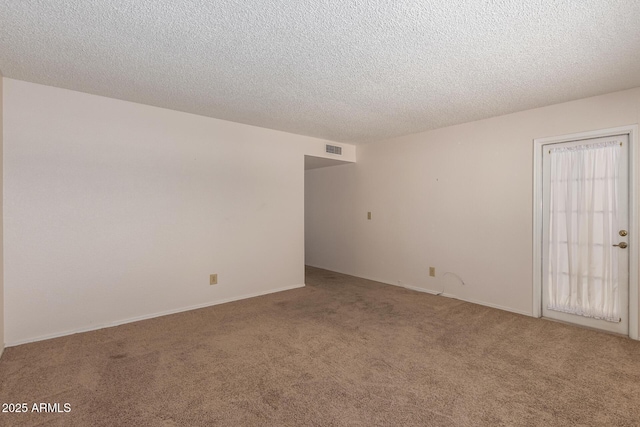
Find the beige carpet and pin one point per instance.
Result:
(341, 351)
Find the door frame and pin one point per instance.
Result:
(634, 225)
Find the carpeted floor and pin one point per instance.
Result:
(341, 351)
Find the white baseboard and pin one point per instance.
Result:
(432, 292)
(486, 304)
(426, 291)
(373, 279)
(149, 316)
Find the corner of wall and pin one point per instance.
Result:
(1, 224)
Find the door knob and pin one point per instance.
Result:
(623, 233)
(621, 245)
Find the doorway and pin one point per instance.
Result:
(585, 234)
(323, 183)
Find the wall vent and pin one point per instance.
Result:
(334, 149)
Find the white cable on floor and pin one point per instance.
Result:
(445, 283)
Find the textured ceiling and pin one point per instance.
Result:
(352, 71)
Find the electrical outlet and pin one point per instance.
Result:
(432, 271)
(368, 215)
(213, 279)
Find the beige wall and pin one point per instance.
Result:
(1, 222)
(457, 198)
(118, 211)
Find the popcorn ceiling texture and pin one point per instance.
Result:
(351, 71)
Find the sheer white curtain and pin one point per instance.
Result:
(583, 268)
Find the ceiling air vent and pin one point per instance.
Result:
(333, 149)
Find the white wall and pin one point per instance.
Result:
(457, 198)
(116, 210)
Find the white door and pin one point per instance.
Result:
(585, 256)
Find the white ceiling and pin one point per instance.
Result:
(351, 71)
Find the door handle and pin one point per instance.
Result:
(622, 245)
